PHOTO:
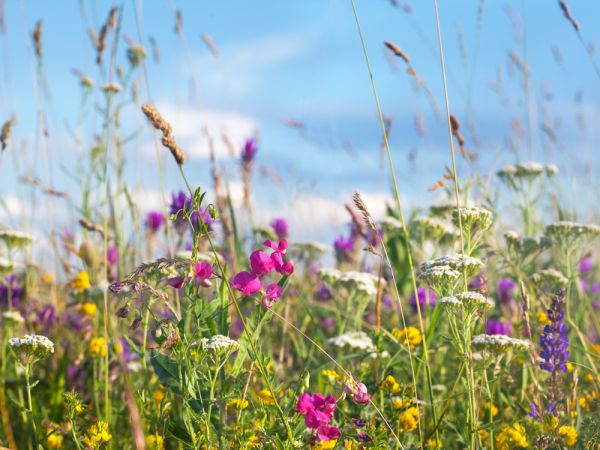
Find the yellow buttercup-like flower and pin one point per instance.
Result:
(511, 437)
(97, 434)
(568, 435)
(390, 385)
(155, 442)
(97, 347)
(81, 282)
(410, 336)
(88, 309)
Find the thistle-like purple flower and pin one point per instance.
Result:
(154, 221)
(586, 265)
(506, 288)
(425, 296)
(554, 342)
(249, 150)
(343, 248)
(497, 327)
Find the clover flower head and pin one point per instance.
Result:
(32, 345)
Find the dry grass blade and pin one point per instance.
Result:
(37, 40)
(5, 133)
(567, 12)
(168, 141)
(210, 43)
(360, 204)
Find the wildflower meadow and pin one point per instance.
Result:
(170, 279)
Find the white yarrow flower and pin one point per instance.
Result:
(13, 316)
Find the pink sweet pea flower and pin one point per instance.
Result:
(359, 392)
(261, 263)
(316, 409)
(327, 433)
(281, 248)
(202, 273)
(247, 283)
(176, 282)
(287, 268)
(271, 295)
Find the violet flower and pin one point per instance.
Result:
(506, 288)
(497, 327)
(11, 289)
(344, 247)
(154, 221)
(426, 298)
(249, 150)
(280, 227)
(586, 265)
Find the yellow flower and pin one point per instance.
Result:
(88, 309)
(486, 409)
(266, 397)
(253, 442)
(237, 403)
(97, 347)
(97, 434)
(158, 395)
(483, 436)
(550, 423)
(155, 442)
(410, 336)
(433, 443)
(408, 419)
(511, 437)
(331, 375)
(47, 278)
(324, 445)
(399, 402)
(570, 367)
(81, 282)
(390, 385)
(54, 438)
(543, 318)
(568, 435)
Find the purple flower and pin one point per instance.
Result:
(497, 327)
(323, 292)
(478, 282)
(280, 227)
(506, 288)
(112, 255)
(202, 273)
(426, 298)
(272, 294)
(386, 300)
(554, 341)
(154, 221)
(358, 391)
(46, 317)
(328, 325)
(179, 203)
(249, 150)
(261, 263)
(586, 265)
(11, 289)
(116, 287)
(247, 283)
(176, 282)
(343, 248)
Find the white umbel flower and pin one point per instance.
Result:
(499, 342)
(15, 238)
(474, 299)
(218, 343)
(355, 339)
(13, 316)
(32, 345)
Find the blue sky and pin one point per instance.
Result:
(303, 61)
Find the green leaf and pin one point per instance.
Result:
(167, 371)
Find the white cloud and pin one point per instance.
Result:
(12, 207)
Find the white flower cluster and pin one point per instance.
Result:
(32, 345)
(6, 265)
(456, 262)
(362, 282)
(528, 169)
(525, 245)
(355, 339)
(311, 247)
(474, 216)
(451, 302)
(15, 238)
(432, 227)
(474, 299)
(13, 316)
(499, 342)
(390, 223)
(218, 343)
(565, 230)
(551, 277)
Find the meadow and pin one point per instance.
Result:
(468, 322)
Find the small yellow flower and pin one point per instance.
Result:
(390, 385)
(158, 395)
(81, 282)
(97, 347)
(543, 318)
(88, 309)
(253, 442)
(97, 434)
(568, 435)
(408, 419)
(266, 397)
(511, 437)
(325, 445)
(550, 423)
(155, 442)
(54, 438)
(483, 436)
(570, 367)
(486, 409)
(47, 278)
(331, 375)
(433, 443)
(399, 402)
(410, 336)
(237, 403)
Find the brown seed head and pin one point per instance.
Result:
(397, 51)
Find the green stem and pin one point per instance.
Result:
(30, 405)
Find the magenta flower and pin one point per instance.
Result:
(343, 248)
(316, 409)
(247, 283)
(358, 391)
(176, 282)
(261, 263)
(272, 294)
(506, 288)
(112, 255)
(281, 248)
(497, 327)
(327, 433)
(425, 296)
(280, 227)
(202, 273)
